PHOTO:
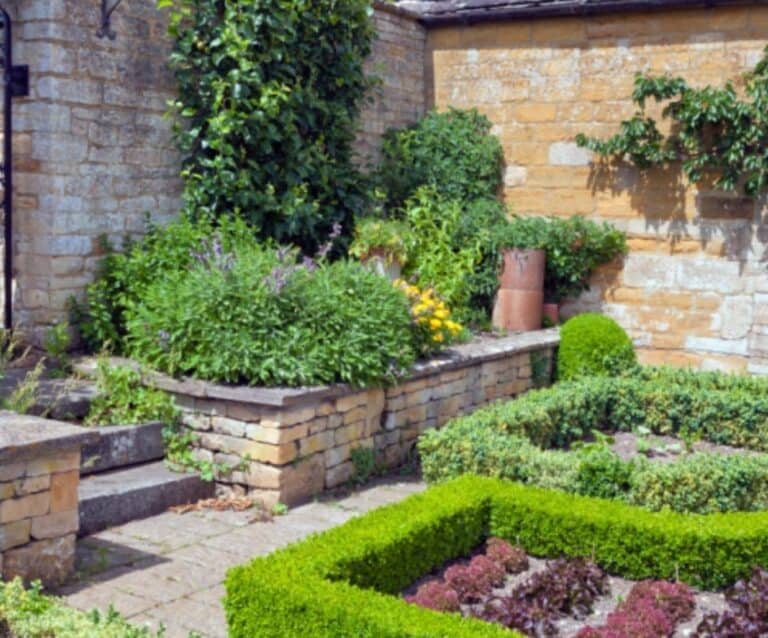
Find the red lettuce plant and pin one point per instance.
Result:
(652, 610)
(495, 573)
(513, 559)
(748, 613)
(471, 583)
(565, 587)
(435, 595)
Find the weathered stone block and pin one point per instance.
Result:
(337, 455)
(14, 534)
(55, 525)
(18, 509)
(23, 487)
(303, 479)
(349, 433)
(338, 475)
(276, 436)
(231, 427)
(316, 443)
(64, 491)
(351, 401)
(10, 471)
(50, 561)
(63, 463)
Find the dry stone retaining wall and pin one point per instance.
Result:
(39, 478)
(286, 445)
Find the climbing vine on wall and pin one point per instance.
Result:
(269, 92)
(723, 131)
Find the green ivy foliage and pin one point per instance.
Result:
(713, 130)
(269, 93)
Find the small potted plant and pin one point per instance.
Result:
(382, 244)
(575, 248)
(520, 297)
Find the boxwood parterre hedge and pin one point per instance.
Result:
(345, 582)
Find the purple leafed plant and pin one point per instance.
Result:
(495, 573)
(513, 559)
(471, 583)
(435, 595)
(748, 613)
(565, 587)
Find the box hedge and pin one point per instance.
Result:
(345, 582)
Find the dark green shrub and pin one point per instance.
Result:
(341, 583)
(269, 93)
(601, 473)
(452, 152)
(593, 344)
(254, 316)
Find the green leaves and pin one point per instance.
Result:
(269, 91)
(714, 130)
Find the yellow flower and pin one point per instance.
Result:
(437, 338)
(435, 324)
(442, 313)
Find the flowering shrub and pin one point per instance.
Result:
(431, 317)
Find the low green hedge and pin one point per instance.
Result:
(724, 409)
(346, 582)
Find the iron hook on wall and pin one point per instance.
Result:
(105, 31)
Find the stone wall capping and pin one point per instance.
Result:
(24, 437)
(479, 350)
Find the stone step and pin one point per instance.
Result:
(121, 446)
(119, 496)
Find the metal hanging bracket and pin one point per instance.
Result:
(105, 31)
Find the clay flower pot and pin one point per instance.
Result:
(552, 312)
(520, 299)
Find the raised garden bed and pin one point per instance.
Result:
(289, 444)
(349, 581)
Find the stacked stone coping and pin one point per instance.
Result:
(287, 444)
(39, 478)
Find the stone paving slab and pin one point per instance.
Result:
(168, 569)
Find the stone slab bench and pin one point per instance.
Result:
(39, 478)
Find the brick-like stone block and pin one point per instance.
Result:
(55, 525)
(23, 487)
(337, 455)
(317, 443)
(231, 427)
(64, 491)
(300, 480)
(339, 475)
(18, 509)
(50, 561)
(65, 462)
(10, 471)
(14, 534)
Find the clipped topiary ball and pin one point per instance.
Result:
(593, 345)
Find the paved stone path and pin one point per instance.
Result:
(169, 569)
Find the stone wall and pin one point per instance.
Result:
(398, 60)
(39, 478)
(93, 151)
(287, 445)
(694, 289)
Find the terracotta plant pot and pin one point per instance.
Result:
(520, 299)
(552, 312)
